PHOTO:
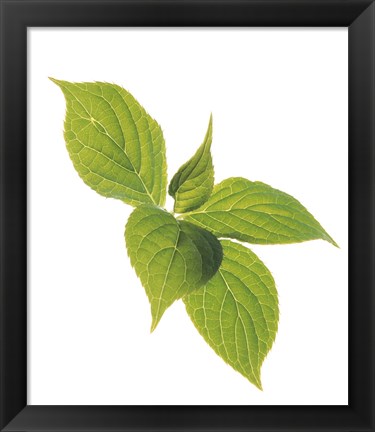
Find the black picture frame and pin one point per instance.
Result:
(16, 16)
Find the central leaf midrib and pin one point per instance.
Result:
(139, 143)
(210, 213)
(273, 295)
(265, 324)
(167, 274)
(145, 192)
(240, 318)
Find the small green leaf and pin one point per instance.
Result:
(170, 258)
(116, 147)
(237, 311)
(256, 213)
(192, 185)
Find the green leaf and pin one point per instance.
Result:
(116, 147)
(256, 213)
(170, 258)
(237, 311)
(192, 185)
(208, 247)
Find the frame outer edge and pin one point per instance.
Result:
(13, 352)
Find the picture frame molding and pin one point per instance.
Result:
(16, 16)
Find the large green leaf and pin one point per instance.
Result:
(192, 184)
(237, 311)
(256, 213)
(170, 258)
(116, 147)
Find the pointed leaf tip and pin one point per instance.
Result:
(256, 213)
(329, 239)
(54, 80)
(192, 185)
(57, 82)
(153, 325)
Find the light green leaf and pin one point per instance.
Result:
(192, 184)
(237, 311)
(256, 213)
(116, 147)
(170, 258)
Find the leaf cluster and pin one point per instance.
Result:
(118, 150)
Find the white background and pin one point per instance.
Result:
(279, 104)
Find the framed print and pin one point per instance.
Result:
(203, 170)
(247, 143)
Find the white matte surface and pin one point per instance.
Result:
(279, 104)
